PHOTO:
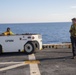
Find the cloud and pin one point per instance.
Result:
(74, 7)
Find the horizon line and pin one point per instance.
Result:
(31, 22)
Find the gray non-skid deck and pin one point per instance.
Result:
(52, 62)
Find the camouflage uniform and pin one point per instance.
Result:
(73, 38)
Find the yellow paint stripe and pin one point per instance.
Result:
(32, 62)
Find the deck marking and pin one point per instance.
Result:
(34, 70)
(32, 62)
(12, 66)
(10, 62)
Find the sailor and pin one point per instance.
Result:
(8, 32)
(73, 36)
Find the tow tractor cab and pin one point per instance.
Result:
(27, 43)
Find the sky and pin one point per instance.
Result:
(35, 11)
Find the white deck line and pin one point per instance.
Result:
(12, 66)
(10, 62)
(34, 70)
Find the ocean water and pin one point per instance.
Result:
(51, 32)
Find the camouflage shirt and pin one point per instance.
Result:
(73, 30)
